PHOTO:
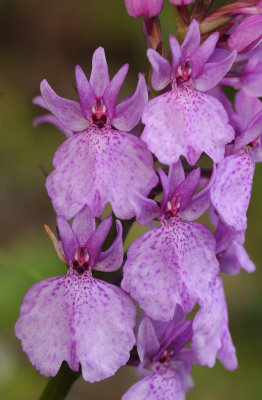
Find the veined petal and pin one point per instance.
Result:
(186, 122)
(111, 259)
(99, 78)
(129, 111)
(68, 238)
(84, 225)
(247, 35)
(247, 108)
(170, 265)
(213, 72)
(112, 90)
(66, 111)
(79, 320)
(96, 240)
(85, 92)
(192, 39)
(100, 166)
(231, 191)
(211, 336)
(160, 69)
(167, 383)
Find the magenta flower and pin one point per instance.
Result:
(98, 164)
(246, 73)
(231, 191)
(77, 318)
(185, 121)
(163, 359)
(231, 252)
(144, 8)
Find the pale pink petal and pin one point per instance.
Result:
(111, 259)
(231, 191)
(246, 107)
(68, 112)
(79, 320)
(68, 238)
(187, 188)
(211, 337)
(129, 111)
(192, 39)
(235, 258)
(176, 53)
(51, 119)
(112, 90)
(160, 70)
(85, 92)
(84, 225)
(99, 78)
(213, 72)
(100, 166)
(201, 55)
(145, 209)
(162, 385)
(170, 265)
(186, 122)
(96, 240)
(147, 341)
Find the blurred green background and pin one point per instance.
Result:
(46, 39)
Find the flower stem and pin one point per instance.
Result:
(58, 387)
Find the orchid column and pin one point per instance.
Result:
(173, 271)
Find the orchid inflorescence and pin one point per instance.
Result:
(174, 269)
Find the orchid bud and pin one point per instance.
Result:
(144, 8)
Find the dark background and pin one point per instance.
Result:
(46, 39)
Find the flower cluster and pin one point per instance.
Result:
(173, 271)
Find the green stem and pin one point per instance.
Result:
(58, 387)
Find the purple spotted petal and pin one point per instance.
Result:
(84, 225)
(129, 111)
(160, 69)
(51, 119)
(96, 240)
(100, 166)
(68, 112)
(213, 72)
(147, 341)
(231, 191)
(192, 40)
(211, 337)
(111, 93)
(99, 78)
(85, 92)
(80, 320)
(111, 259)
(201, 55)
(68, 238)
(234, 259)
(186, 122)
(167, 383)
(170, 265)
